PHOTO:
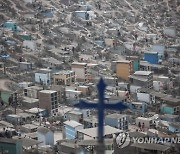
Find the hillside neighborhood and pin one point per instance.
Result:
(54, 53)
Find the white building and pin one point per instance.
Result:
(45, 135)
(30, 44)
(44, 76)
(29, 1)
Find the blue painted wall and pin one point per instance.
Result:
(141, 109)
(70, 132)
(151, 57)
(174, 129)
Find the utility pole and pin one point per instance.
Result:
(15, 102)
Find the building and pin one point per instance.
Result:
(12, 26)
(148, 122)
(30, 102)
(80, 70)
(170, 105)
(124, 69)
(64, 78)
(45, 136)
(145, 148)
(151, 57)
(52, 62)
(11, 146)
(48, 100)
(110, 42)
(90, 122)
(174, 127)
(43, 76)
(70, 129)
(119, 121)
(140, 107)
(29, 128)
(61, 92)
(30, 44)
(136, 62)
(25, 65)
(14, 119)
(25, 36)
(85, 90)
(169, 109)
(142, 78)
(91, 133)
(37, 112)
(170, 117)
(160, 48)
(75, 116)
(170, 31)
(32, 91)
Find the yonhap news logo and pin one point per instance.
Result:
(123, 140)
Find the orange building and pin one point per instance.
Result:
(124, 69)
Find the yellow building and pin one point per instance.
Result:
(110, 42)
(124, 69)
(64, 78)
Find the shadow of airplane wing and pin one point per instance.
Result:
(116, 106)
(82, 105)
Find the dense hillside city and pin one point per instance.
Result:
(89, 76)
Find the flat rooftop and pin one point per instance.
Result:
(48, 91)
(64, 72)
(72, 123)
(116, 115)
(92, 132)
(142, 73)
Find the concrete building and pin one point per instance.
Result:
(32, 91)
(160, 48)
(142, 78)
(119, 121)
(148, 122)
(124, 69)
(25, 65)
(110, 42)
(48, 100)
(46, 136)
(136, 62)
(30, 44)
(174, 127)
(64, 78)
(43, 76)
(30, 102)
(80, 70)
(140, 107)
(151, 57)
(91, 133)
(90, 122)
(61, 92)
(70, 129)
(11, 146)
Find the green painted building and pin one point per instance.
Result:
(136, 62)
(11, 146)
(4, 95)
(26, 36)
